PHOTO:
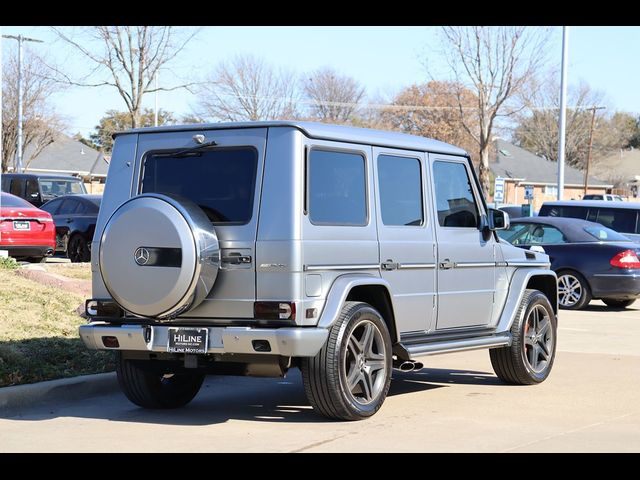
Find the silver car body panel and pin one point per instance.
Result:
(316, 266)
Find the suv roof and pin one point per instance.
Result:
(39, 175)
(593, 203)
(323, 131)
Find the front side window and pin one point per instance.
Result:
(220, 181)
(32, 189)
(454, 196)
(337, 188)
(400, 186)
(532, 234)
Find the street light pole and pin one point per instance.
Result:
(20, 39)
(563, 111)
(155, 116)
(593, 124)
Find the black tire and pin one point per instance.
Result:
(78, 249)
(585, 295)
(613, 303)
(512, 364)
(325, 375)
(149, 389)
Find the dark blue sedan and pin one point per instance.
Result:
(591, 261)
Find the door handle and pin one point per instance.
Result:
(237, 259)
(389, 265)
(447, 264)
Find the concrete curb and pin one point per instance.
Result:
(15, 399)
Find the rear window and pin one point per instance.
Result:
(220, 181)
(605, 234)
(11, 201)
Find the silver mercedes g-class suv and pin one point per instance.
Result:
(252, 248)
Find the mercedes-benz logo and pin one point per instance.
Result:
(141, 256)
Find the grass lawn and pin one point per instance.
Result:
(39, 333)
(81, 271)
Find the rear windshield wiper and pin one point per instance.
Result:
(187, 151)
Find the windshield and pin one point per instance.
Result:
(220, 181)
(604, 234)
(58, 186)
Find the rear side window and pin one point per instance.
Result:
(454, 195)
(400, 186)
(619, 220)
(220, 181)
(68, 207)
(563, 211)
(16, 187)
(337, 188)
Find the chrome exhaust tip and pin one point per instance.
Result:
(417, 366)
(49, 252)
(406, 366)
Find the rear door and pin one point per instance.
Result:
(225, 181)
(406, 238)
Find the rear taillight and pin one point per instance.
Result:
(626, 259)
(274, 310)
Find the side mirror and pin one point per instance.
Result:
(498, 220)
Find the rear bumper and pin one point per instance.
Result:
(288, 342)
(622, 285)
(29, 250)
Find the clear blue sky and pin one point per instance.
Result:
(384, 59)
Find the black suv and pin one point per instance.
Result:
(39, 189)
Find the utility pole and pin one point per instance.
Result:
(155, 116)
(593, 124)
(20, 39)
(563, 110)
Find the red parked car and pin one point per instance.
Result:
(25, 231)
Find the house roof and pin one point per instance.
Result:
(514, 162)
(324, 131)
(68, 156)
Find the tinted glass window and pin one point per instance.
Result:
(32, 189)
(68, 207)
(513, 232)
(337, 188)
(11, 201)
(454, 196)
(400, 186)
(618, 220)
(16, 187)
(220, 181)
(605, 234)
(51, 206)
(563, 211)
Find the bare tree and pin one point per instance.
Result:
(431, 110)
(494, 63)
(41, 126)
(247, 88)
(537, 126)
(126, 58)
(334, 97)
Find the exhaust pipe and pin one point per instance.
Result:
(408, 365)
(49, 252)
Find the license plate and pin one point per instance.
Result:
(21, 225)
(188, 340)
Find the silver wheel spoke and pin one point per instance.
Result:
(367, 384)
(354, 346)
(353, 378)
(367, 339)
(534, 352)
(543, 329)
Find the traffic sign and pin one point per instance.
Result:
(498, 190)
(528, 192)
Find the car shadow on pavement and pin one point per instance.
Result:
(246, 399)
(607, 309)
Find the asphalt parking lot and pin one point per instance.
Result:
(591, 402)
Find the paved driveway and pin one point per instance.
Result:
(591, 402)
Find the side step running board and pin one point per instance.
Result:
(459, 345)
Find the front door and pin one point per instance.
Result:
(466, 262)
(405, 233)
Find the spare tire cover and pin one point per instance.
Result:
(159, 255)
